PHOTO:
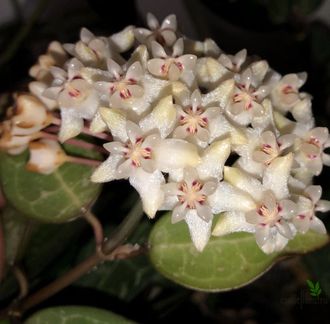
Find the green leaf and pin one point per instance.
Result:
(52, 198)
(76, 315)
(227, 262)
(310, 284)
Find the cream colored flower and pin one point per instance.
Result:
(172, 67)
(164, 34)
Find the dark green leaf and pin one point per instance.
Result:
(305, 7)
(53, 198)
(227, 262)
(45, 245)
(76, 315)
(17, 232)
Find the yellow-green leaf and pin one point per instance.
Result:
(76, 315)
(227, 262)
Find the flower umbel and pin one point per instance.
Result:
(194, 130)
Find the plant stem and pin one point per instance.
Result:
(83, 161)
(75, 142)
(22, 281)
(96, 225)
(125, 229)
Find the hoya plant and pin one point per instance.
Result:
(221, 149)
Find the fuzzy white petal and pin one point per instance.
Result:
(107, 170)
(175, 154)
(71, 125)
(277, 174)
(243, 181)
(200, 230)
(231, 222)
(162, 117)
(228, 198)
(116, 122)
(214, 159)
(148, 186)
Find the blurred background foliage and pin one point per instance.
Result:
(292, 35)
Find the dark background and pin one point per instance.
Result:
(293, 36)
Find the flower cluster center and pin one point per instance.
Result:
(135, 152)
(191, 194)
(193, 119)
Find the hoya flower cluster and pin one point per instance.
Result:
(194, 130)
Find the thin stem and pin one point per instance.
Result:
(96, 225)
(48, 136)
(75, 142)
(85, 130)
(86, 145)
(22, 281)
(103, 136)
(125, 229)
(83, 161)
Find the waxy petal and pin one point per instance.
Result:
(152, 21)
(200, 230)
(107, 170)
(179, 213)
(134, 72)
(169, 22)
(123, 40)
(116, 122)
(134, 132)
(213, 159)
(314, 193)
(158, 50)
(148, 186)
(243, 181)
(318, 226)
(162, 118)
(178, 48)
(228, 198)
(277, 174)
(220, 95)
(175, 154)
(71, 125)
(231, 222)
